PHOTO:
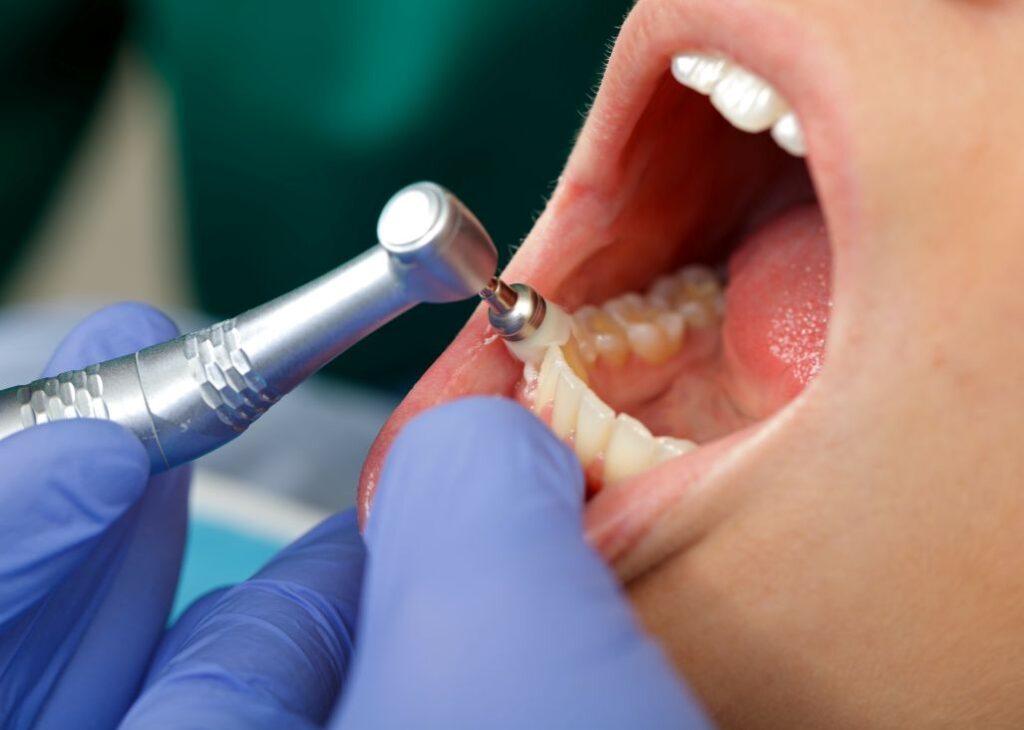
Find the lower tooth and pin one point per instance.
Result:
(594, 424)
(700, 282)
(547, 379)
(673, 324)
(648, 342)
(568, 392)
(631, 450)
(667, 448)
(604, 334)
(697, 313)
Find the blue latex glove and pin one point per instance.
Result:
(91, 551)
(482, 606)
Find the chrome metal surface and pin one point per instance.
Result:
(516, 311)
(188, 396)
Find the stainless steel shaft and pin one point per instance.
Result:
(187, 397)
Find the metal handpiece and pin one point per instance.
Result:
(187, 397)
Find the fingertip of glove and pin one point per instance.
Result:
(485, 455)
(113, 331)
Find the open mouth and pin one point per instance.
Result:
(688, 239)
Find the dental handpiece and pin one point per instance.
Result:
(191, 395)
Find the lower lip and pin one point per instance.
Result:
(618, 520)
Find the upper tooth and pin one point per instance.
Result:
(698, 71)
(789, 135)
(747, 101)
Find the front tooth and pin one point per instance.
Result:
(569, 390)
(630, 450)
(789, 135)
(667, 448)
(698, 71)
(747, 101)
(594, 424)
(547, 378)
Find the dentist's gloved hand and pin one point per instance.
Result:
(482, 606)
(91, 550)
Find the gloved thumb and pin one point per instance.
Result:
(484, 606)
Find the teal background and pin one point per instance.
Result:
(294, 122)
(218, 555)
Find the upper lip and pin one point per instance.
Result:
(764, 37)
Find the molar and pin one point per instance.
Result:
(594, 424)
(602, 336)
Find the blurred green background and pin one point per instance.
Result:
(215, 154)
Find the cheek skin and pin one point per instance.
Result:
(870, 575)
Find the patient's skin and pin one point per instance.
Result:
(858, 562)
(861, 565)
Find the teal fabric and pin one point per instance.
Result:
(218, 555)
(296, 121)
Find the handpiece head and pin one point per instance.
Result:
(439, 247)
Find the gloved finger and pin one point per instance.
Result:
(61, 486)
(269, 653)
(483, 604)
(116, 330)
(111, 611)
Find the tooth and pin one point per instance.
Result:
(626, 308)
(584, 341)
(574, 357)
(664, 293)
(637, 317)
(789, 135)
(630, 450)
(667, 448)
(747, 101)
(699, 282)
(696, 313)
(608, 337)
(547, 378)
(593, 427)
(698, 71)
(649, 342)
(568, 391)
(673, 324)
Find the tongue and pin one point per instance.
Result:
(777, 309)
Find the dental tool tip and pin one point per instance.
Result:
(516, 310)
(499, 296)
